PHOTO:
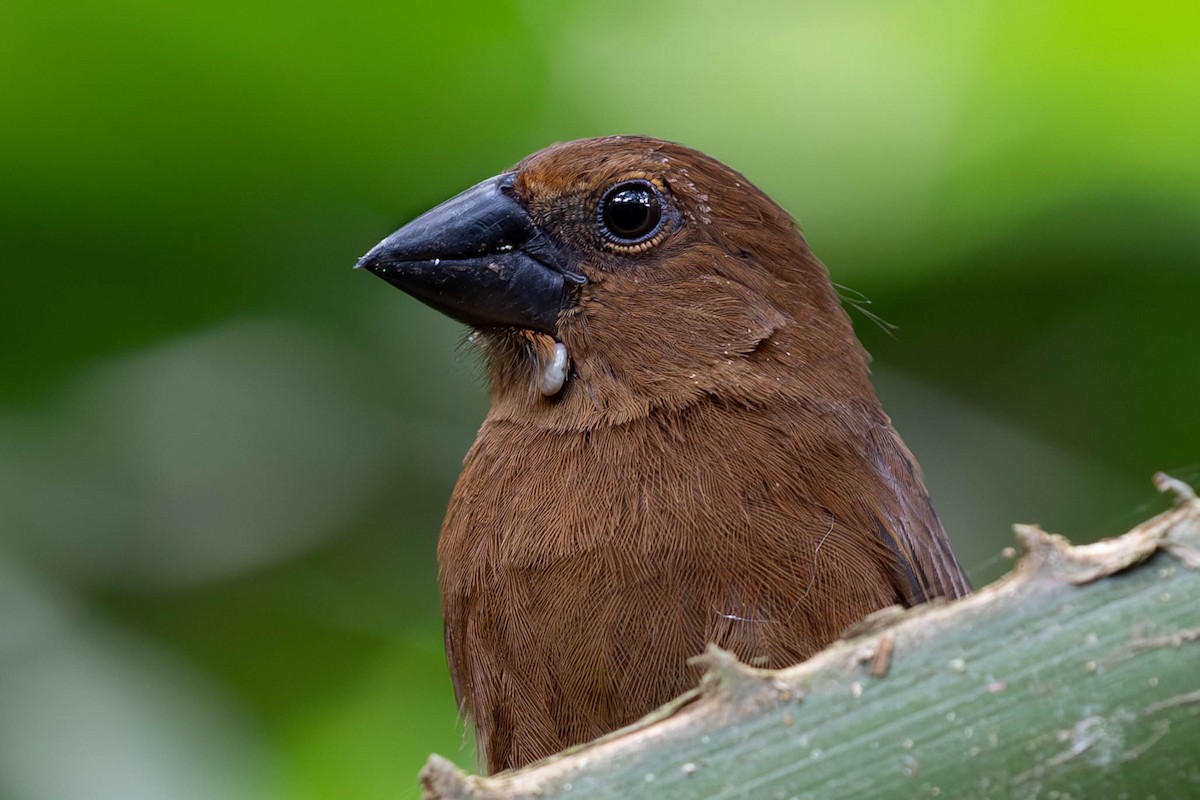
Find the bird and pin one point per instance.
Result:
(683, 444)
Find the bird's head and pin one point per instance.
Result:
(609, 277)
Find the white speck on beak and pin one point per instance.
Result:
(554, 373)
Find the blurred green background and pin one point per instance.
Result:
(224, 456)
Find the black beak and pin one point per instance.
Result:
(479, 258)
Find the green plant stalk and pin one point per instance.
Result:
(1077, 675)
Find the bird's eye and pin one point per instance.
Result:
(631, 212)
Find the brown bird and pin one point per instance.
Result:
(683, 444)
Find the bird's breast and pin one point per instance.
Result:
(682, 529)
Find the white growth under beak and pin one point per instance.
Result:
(554, 372)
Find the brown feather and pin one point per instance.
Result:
(716, 469)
